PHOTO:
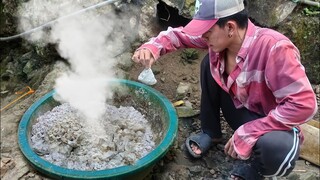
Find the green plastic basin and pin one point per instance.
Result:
(155, 106)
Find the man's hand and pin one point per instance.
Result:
(229, 149)
(143, 56)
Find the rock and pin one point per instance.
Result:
(309, 176)
(182, 90)
(195, 169)
(179, 4)
(124, 61)
(184, 111)
(188, 103)
(147, 21)
(270, 13)
(18, 170)
(293, 176)
(8, 14)
(304, 33)
(6, 164)
(212, 171)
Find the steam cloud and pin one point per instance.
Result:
(83, 41)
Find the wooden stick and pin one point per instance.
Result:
(23, 95)
(299, 170)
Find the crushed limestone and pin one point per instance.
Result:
(62, 137)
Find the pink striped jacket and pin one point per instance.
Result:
(268, 79)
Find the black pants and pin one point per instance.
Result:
(275, 152)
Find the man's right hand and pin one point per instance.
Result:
(143, 56)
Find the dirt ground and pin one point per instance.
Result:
(170, 70)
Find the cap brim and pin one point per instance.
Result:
(198, 27)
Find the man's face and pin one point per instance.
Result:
(217, 38)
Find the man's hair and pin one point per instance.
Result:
(241, 18)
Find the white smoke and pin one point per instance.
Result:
(83, 41)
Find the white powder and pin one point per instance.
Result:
(62, 137)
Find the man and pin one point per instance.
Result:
(254, 75)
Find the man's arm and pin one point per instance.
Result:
(286, 78)
(171, 40)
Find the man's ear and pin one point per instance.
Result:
(231, 26)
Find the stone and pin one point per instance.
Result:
(185, 111)
(195, 169)
(6, 164)
(182, 90)
(124, 61)
(270, 13)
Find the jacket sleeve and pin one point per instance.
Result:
(171, 40)
(296, 101)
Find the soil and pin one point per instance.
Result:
(170, 70)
